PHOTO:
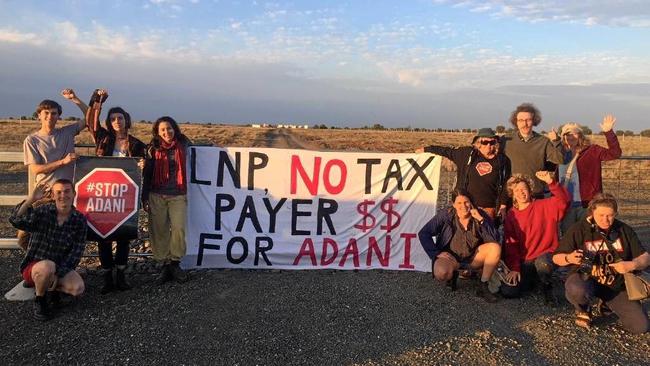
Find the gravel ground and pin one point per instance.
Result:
(272, 317)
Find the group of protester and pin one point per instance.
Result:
(501, 179)
(53, 232)
(547, 222)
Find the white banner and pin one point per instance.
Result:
(299, 209)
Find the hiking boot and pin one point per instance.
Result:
(55, 299)
(165, 275)
(453, 283)
(178, 274)
(41, 310)
(109, 286)
(483, 291)
(120, 280)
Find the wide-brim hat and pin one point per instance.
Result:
(484, 132)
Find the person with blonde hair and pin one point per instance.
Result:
(581, 173)
(600, 249)
(530, 232)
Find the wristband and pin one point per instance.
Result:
(566, 258)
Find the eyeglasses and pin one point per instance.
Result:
(488, 142)
(524, 120)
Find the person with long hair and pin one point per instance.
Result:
(600, 249)
(113, 140)
(164, 197)
(581, 173)
(464, 236)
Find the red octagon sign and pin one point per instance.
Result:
(107, 197)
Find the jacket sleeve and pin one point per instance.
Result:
(613, 150)
(430, 230)
(71, 261)
(571, 240)
(560, 199)
(512, 243)
(445, 151)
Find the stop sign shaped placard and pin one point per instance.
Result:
(107, 197)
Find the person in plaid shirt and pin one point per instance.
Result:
(58, 238)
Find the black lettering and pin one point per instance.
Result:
(273, 211)
(202, 245)
(369, 163)
(193, 165)
(419, 173)
(233, 170)
(261, 250)
(294, 216)
(231, 243)
(248, 211)
(326, 208)
(252, 166)
(220, 198)
(393, 172)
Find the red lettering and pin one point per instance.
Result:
(407, 250)
(331, 189)
(324, 260)
(374, 247)
(311, 184)
(307, 248)
(351, 249)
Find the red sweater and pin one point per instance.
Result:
(532, 231)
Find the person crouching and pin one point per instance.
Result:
(465, 236)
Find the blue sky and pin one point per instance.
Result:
(399, 63)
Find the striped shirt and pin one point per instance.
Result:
(62, 244)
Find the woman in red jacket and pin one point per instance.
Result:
(581, 173)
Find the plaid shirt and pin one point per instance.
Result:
(63, 244)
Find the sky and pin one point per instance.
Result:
(433, 64)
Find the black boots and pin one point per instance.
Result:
(178, 274)
(119, 283)
(483, 291)
(165, 275)
(453, 283)
(109, 286)
(120, 280)
(41, 309)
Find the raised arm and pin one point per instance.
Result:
(613, 150)
(70, 95)
(92, 114)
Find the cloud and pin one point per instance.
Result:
(625, 13)
(13, 36)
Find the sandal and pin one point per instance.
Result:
(583, 319)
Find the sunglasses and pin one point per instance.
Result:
(488, 142)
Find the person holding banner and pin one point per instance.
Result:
(481, 170)
(581, 173)
(600, 249)
(464, 236)
(530, 232)
(114, 140)
(57, 241)
(164, 197)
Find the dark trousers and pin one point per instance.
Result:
(580, 292)
(106, 253)
(539, 270)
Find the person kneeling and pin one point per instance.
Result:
(601, 249)
(464, 236)
(58, 238)
(530, 231)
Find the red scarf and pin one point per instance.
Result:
(161, 164)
